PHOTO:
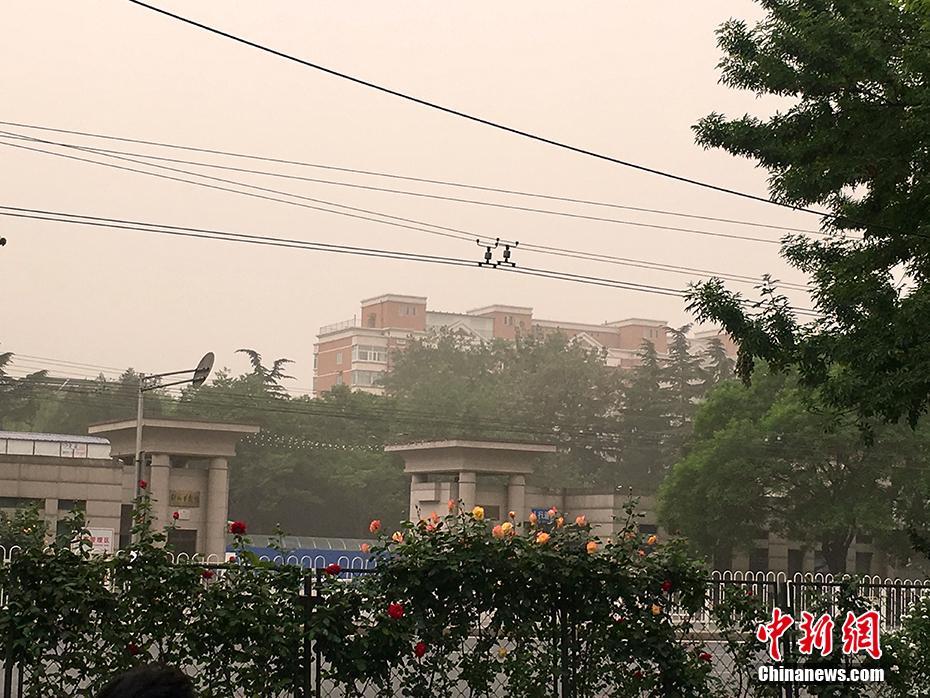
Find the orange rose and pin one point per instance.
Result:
(497, 531)
(434, 517)
(651, 540)
(656, 609)
(374, 526)
(398, 537)
(507, 528)
(451, 505)
(478, 513)
(512, 514)
(365, 548)
(581, 520)
(641, 552)
(591, 547)
(533, 519)
(559, 522)
(542, 537)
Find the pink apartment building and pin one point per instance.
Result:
(357, 352)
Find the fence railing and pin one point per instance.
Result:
(893, 598)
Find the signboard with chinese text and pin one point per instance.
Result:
(101, 540)
(188, 499)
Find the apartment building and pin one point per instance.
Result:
(357, 352)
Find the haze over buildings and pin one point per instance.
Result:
(357, 351)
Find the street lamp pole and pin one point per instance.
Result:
(140, 411)
(152, 382)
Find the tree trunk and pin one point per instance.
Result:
(835, 550)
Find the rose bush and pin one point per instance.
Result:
(460, 602)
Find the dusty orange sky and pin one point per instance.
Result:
(624, 78)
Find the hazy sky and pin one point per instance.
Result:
(625, 78)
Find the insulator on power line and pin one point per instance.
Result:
(506, 259)
(2, 242)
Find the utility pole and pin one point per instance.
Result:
(152, 382)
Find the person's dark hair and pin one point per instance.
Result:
(149, 681)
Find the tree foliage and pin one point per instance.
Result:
(763, 461)
(854, 141)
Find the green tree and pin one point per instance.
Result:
(17, 405)
(762, 460)
(548, 389)
(683, 382)
(854, 141)
(718, 366)
(646, 409)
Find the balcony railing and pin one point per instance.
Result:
(337, 326)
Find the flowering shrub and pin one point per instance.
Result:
(71, 620)
(458, 603)
(906, 657)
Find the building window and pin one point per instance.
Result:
(863, 563)
(315, 360)
(408, 310)
(759, 560)
(125, 525)
(366, 377)
(338, 358)
(361, 352)
(508, 319)
(492, 512)
(339, 379)
(372, 320)
(72, 505)
(21, 503)
(182, 541)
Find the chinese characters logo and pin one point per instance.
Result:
(859, 633)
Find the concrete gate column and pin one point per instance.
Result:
(159, 488)
(516, 496)
(468, 489)
(217, 508)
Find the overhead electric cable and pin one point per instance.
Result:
(406, 178)
(405, 192)
(183, 231)
(478, 119)
(455, 233)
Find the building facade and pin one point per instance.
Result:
(185, 466)
(357, 352)
(494, 475)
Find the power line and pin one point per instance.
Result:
(454, 233)
(159, 229)
(480, 120)
(457, 232)
(393, 175)
(407, 192)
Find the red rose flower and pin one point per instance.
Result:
(132, 648)
(143, 484)
(237, 528)
(419, 649)
(396, 610)
(207, 574)
(333, 569)
(637, 674)
(667, 585)
(704, 657)
(176, 515)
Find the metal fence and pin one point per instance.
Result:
(893, 599)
